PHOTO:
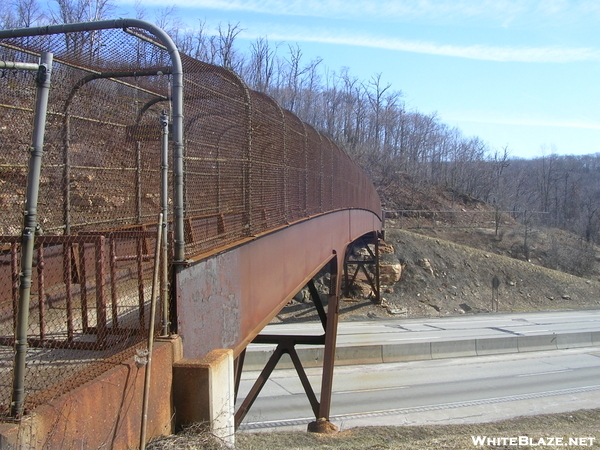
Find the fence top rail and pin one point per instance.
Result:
(52, 239)
(120, 234)
(456, 211)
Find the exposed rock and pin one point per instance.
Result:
(302, 296)
(426, 265)
(361, 290)
(395, 311)
(386, 248)
(390, 273)
(465, 307)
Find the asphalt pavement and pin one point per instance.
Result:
(397, 340)
(445, 381)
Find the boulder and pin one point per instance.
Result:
(390, 273)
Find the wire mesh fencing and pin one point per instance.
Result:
(248, 167)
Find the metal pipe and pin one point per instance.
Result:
(157, 251)
(164, 197)
(177, 100)
(41, 292)
(178, 190)
(18, 65)
(30, 226)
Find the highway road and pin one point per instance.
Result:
(453, 390)
(450, 328)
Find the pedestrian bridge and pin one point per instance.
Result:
(105, 126)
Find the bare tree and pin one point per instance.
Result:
(28, 13)
(259, 71)
(224, 48)
(74, 11)
(375, 95)
(7, 15)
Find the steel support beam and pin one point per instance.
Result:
(330, 340)
(360, 265)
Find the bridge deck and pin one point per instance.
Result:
(224, 301)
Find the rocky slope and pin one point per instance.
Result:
(440, 278)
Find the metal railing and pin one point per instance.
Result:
(241, 166)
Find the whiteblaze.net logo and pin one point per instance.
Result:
(518, 441)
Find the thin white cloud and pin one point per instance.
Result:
(527, 122)
(501, 11)
(478, 52)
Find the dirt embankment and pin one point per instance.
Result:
(440, 277)
(452, 272)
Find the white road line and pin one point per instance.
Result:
(544, 373)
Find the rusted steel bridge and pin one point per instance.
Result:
(104, 126)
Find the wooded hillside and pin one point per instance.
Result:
(399, 148)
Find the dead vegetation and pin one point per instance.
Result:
(579, 424)
(194, 437)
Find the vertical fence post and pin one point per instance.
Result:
(41, 291)
(164, 198)
(30, 225)
(101, 326)
(155, 280)
(83, 284)
(14, 270)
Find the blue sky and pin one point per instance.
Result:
(517, 73)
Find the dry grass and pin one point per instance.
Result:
(194, 437)
(579, 424)
(434, 437)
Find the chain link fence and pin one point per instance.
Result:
(248, 167)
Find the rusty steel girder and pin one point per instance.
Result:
(224, 301)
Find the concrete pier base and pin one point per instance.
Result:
(204, 392)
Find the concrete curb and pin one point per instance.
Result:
(256, 358)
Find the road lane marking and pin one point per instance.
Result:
(417, 409)
(355, 391)
(544, 373)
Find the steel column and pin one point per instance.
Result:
(330, 339)
(360, 265)
(287, 344)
